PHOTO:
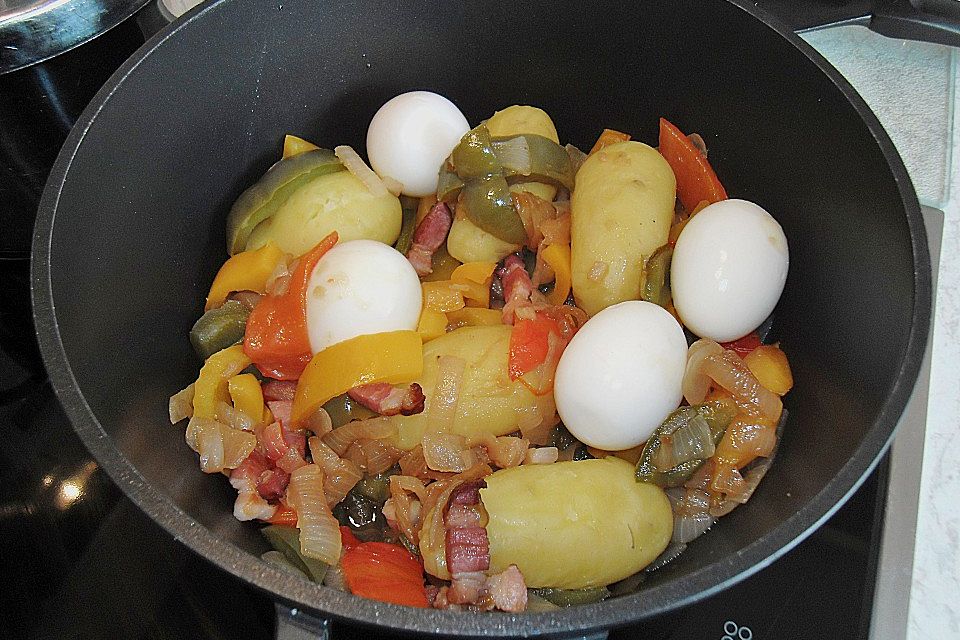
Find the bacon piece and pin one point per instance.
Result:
(388, 400)
(250, 505)
(463, 516)
(272, 484)
(467, 588)
(508, 590)
(281, 410)
(467, 493)
(468, 550)
(517, 287)
(279, 390)
(428, 237)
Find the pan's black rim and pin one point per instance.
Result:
(295, 592)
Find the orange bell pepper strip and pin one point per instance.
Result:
(558, 257)
(608, 137)
(276, 338)
(696, 179)
(529, 344)
(385, 572)
(246, 271)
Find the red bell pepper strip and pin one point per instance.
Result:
(743, 345)
(347, 539)
(276, 338)
(696, 179)
(529, 344)
(385, 572)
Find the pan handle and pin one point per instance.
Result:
(927, 20)
(296, 624)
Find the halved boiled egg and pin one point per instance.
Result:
(361, 287)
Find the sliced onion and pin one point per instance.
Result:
(407, 509)
(379, 455)
(727, 479)
(279, 280)
(446, 395)
(318, 422)
(447, 452)
(556, 230)
(689, 526)
(343, 436)
(541, 455)
(181, 404)
(319, 530)
(515, 153)
(340, 475)
(673, 550)
(235, 417)
(696, 383)
(506, 451)
(210, 448)
(728, 370)
(413, 463)
(219, 446)
(355, 165)
(249, 299)
(697, 140)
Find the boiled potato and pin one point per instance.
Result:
(489, 402)
(518, 119)
(334, 202)
(469, 243)
(621, 211)
(572, 525)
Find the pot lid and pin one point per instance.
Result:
(35, 30)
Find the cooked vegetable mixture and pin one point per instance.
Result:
(491, 371)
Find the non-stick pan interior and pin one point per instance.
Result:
(131, 231)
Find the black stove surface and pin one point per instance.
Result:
(79, 560)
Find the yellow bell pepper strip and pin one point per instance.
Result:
(392, 357)
(441, 296)
(247, 395)
(696, 179)
(769, 364)
(558, 257)
(276, 339)
(474, 279)
(211, 387)
(432, 324)
(294, 146)
(474, 317)
(246, 271)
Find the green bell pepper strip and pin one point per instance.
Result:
(407, 226)
(717, 413)
(343, 409)
(572, 597)
(262, 199)
(489, 205)
(286, 540)
(473, 157)
(656, 284)
(219, 328)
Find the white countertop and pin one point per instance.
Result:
(912, 89)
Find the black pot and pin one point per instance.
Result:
(130, 233)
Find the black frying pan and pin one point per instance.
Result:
(130, 233)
